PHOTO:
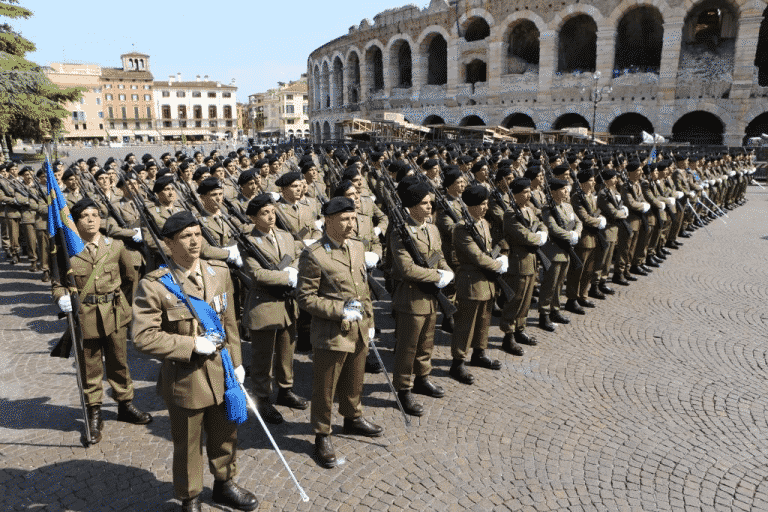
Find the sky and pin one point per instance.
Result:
(257, 43)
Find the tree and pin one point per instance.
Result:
(30, 104)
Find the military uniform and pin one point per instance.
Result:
(578, 280)
(10, 197)
(549, 300)
(300, 219)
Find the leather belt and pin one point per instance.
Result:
(100, 299)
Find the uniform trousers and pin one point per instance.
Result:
(413, 353)
(549, 294)
(43, 248)
(625, 250)
(6, 239)
(272, 356)
(31, 241)
(578, 280)
(111, 353)
(603, 261)
(187, 428)
(471, 324)
(515, 313)
(641, 249)
(13, 234)
(337, 373)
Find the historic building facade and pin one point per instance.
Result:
(694, 71)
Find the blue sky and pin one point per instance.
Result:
(258, 43)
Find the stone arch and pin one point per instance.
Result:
(518, 119)
(756, 127)
(476, 28)
(639, 39)
(325, 85)
(522, 39)
(338, 82)
(432, 119)
(577, 44)
(699, 127)
(374, 66)
(627, 128)
(710, 24)
(434, 50)
(316, 94)
(141, 63)
(326, 130)
(470, 15)
(401, 63)
(476, 71)
(352, 77)
(694, 106)
(472, 120)
(570, 120)
(761, 55)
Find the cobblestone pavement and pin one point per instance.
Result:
(656, 400)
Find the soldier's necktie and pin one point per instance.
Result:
(91, 249)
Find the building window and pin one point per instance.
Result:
(289, 121)
(108, 86)
(212, 124)
(306, 109)
(166, 111)
(181, 94)
(198, 124)
(182, 111)
(149, 112)
(197, 112)
(138, 126)
(77, 127)
(226, 95)
(166, 124)
(85, 126)
(147, 87)
(101, 126)
(166, 94)
(122, 110)
(134, 87)
(227, 112)
(183, 124)
(112, 125)
(101, 115)
(306, 98)
(147, 97)
(289, 97)
(229, 123)
(135, 112)
(125, 126)
(121, 97)
(120, 86)
(109, 97)
(98, 101)
(289, 109)
(211, 94)
(110, 112)
(197, 94)
(134, 97)
(74, 116)
(212, 112)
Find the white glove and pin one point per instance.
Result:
(670, 201)
(603, 222)
(371, 260)
(240, 374)
(234, 255)
(663, 207)
(377, 231)
(309, 241)
(504, 260)
(137, 235)
(275, 196)
(646, 207)
(574, 237)
(204, 346)
(319, 224)
(371, 333)
(543, 237)
(714, 182)
(446, 276)
(351, 312)
(679, 194)
(704, 193)
(732, 174)
(625, 210)
(691, 194)
(293, 276)
(573, 216)
(65, 304)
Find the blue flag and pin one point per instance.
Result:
(59, 217)
(652, 156)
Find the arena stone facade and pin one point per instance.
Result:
(690, 70)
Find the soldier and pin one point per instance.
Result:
(270, 312)
(562, 235)
(191, 379)
(610, 206)
(333, 289)
(524, 233)
(414, 309)
(475, 292)
(300, 218)
(10, 198)
(103, 316)
(28, 201)
(41, 224)
(632, 197)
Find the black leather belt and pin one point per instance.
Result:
(100, 299)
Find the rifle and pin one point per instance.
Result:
(600, 233)
(612, 198)
(545, 263)
(562, 244)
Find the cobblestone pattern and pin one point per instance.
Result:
(654, 401)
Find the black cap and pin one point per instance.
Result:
(560, 169)
(261, 163)
(502, 173)
(307, 167)
(257, 203)
(555, 184)
(207, 185)
(474, 195)
(99, 173)
(138, 168)
(450, 177)
(162, 182)
(413, 194)
(607, 174)
(247, 176)
(177, 222)
(288, 179)
(78, 208)
(338, 205)
(350, 173)
(520, 184)
(428, 164)
(532, 172)
(478, 166)
(68, 174)
(584, 176)
(342, 188)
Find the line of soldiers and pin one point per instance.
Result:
(282, 247)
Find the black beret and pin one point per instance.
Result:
(57, 162)
(207, 185)
(338, 205)
(520, 184)
(428, 164)
(261, 163)
(350, 173)
(129, 155)
(163, 172)
(177, 222)
(184, 166)
(451, 176)
(502, 173)
(199, 172)
(68, 174)
(402, 172)
(607, 174)
(342, 188)
(150, 163)
(25, 169)
(287, 179)
(634, 165)
(532, 172)
(560, 169)
(197, 153)
(78, 208)
(247, 176)
(585, 164)
(478, 166)
(474, 195)
(584, 176)
(257, 203)
(308, 166)
(92, 160)
(138, 168)
(165, 155)
(273, 159)
(555, 184)
(162, 182)
(413, 194)
(100, 172)
(215, 167)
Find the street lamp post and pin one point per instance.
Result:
(596, 96)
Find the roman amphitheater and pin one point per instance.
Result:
(691, 71)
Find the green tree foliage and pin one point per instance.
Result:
(30, 104)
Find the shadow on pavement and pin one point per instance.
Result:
(36, 413)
